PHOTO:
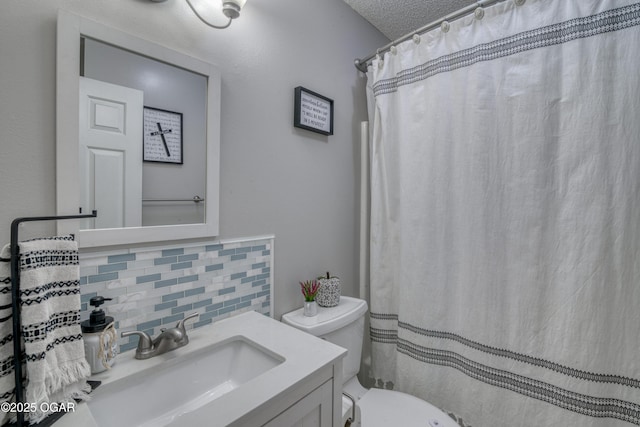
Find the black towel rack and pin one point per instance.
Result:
(15, 298)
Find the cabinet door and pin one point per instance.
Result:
(313, 410)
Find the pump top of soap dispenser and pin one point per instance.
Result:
(97, 319)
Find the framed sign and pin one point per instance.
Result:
(313, 111)
(162, 140)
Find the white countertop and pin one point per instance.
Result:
(303, 356)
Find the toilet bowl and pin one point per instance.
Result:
(343, 325)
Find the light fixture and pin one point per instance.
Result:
(230, 8)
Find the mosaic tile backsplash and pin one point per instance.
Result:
(154, 288)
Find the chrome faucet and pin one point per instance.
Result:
(169, 339)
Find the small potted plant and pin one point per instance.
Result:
(309, 289)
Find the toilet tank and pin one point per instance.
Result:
(342, 325)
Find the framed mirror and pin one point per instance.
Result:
(121, 100)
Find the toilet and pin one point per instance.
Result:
(343, 325)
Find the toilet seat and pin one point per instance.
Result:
(385, 408)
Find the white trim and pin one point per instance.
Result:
(272, 278)
(364, 207)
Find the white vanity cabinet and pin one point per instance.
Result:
(317, 402)
(313, 410)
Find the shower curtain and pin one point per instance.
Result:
(505, 215)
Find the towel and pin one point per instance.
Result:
(7, 380)
(56, 368)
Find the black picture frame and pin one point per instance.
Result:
(162, 136)
(312, 111)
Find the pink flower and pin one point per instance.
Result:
(309, 289)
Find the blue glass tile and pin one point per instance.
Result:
(214, 267)
(248, 279)
(243, 250)
(165, 260)
(148, 325)
(83, 280)
(258, 248)
(169, 252)
(208, 315)
(259, 283)
(171, 297)
(267, 252)
(227, 252)
(231, 302)
(148, 278)
(165, 305)
(167, 282)
(248, 297)
(121, 258)
(187, 279)
(263, 293)
(266, 270)
(84, 306)
(238, 257)
(211, 248)
(243, 304)
(226, 310)
(213, 307)
(128, 346)
(238, 275)
(86, 297)
(102, 277)
(202, 323)
(180, 265)
(263, 276)
(259, 265)
(227, 290)
(174, 318)
(189, 257)
(202, 303)
(195, 291)
(112, 267)
(181, 309)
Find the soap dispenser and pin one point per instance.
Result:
(100, 338)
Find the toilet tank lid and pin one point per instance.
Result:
(328, 319)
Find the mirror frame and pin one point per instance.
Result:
(70, 29)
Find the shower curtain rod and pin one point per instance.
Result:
(361, 64)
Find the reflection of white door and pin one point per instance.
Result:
(111, 153)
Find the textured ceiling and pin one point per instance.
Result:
(395, 18)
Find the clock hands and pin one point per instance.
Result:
(164, 141)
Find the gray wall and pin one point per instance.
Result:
(275, 178)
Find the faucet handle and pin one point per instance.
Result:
(145, 344)
(180, 326)
(181, 323)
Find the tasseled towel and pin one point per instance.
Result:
(56, 369)
(6, 335)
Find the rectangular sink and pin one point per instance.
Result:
(161, 394)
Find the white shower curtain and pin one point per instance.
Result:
(505, 215)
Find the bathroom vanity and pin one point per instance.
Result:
(247, 370)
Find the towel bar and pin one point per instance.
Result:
(15, 299)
